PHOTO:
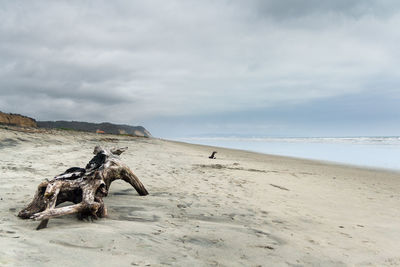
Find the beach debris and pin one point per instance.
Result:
(266, 247)
(213, 155)
(85, 187)
(280, 187)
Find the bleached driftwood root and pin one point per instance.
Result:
(85, 187)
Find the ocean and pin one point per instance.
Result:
(375, 152)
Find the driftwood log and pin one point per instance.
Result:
(85, 187)
(213, 155)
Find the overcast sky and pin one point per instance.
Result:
(187, 68)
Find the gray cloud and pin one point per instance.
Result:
(138, 61)
(295, 9)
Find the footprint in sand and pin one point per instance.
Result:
(8, 233)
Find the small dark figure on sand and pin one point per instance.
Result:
(213, 155)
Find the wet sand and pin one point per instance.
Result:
(241, 209)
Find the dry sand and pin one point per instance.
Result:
(241, 209)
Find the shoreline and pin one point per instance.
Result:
(322, 162)
(117, 137)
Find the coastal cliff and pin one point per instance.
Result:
(17, 120)
(105, 127)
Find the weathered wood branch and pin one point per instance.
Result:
(85, 187)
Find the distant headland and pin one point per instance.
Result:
(104, 127)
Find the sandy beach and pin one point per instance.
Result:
(240, 209)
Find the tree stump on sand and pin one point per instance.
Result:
(85, 187)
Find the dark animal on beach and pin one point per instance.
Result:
(213, 155)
